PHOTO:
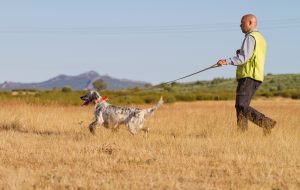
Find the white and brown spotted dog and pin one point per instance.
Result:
(111, 116)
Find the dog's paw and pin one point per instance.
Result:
(93, 130)
(146, 130)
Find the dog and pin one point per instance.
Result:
(111, 116)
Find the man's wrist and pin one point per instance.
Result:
(228, 61)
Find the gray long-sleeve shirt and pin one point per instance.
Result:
(245, 52)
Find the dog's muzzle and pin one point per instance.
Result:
(85, 100)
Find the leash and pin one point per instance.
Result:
(172, 81)
(213, 66)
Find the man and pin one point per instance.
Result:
(250, 74)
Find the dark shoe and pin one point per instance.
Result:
(267, 125)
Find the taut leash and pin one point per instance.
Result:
(213, 66)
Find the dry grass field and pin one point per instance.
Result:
(190, 146)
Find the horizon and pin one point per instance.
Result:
(113, 77)
(140, 41)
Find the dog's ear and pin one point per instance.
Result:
(95, 95)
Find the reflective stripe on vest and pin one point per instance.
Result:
(254, 67)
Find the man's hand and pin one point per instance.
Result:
(221, 62)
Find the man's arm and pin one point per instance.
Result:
(242, 55)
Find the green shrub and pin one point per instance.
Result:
(66, 89)
(295, 96)
(186, 97)
(199, 83)
(99, 85)
(175, 84)
(169, 99)
(267, 94)
(279, 88)
(203, 97)
(284, 94)
(168, 88)
(149, 99)
(217, 81)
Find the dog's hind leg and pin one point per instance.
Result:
(115, 128)
(135, 124)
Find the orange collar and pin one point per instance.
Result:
(100, 100)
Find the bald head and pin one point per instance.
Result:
(248, 23)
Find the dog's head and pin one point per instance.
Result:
(90, 97)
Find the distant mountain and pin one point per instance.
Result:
(79, 82)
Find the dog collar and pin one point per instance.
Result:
(101, 100)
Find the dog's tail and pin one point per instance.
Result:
(149, 111)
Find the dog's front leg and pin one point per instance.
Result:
(93, 126)
(99, 121)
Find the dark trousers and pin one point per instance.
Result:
(245, 90)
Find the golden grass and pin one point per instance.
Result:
(190, 146)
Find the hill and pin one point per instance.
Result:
(79, 82)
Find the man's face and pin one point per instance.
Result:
(245, 25)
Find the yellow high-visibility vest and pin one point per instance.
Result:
(254, 67)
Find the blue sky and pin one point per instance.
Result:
(153, 41)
